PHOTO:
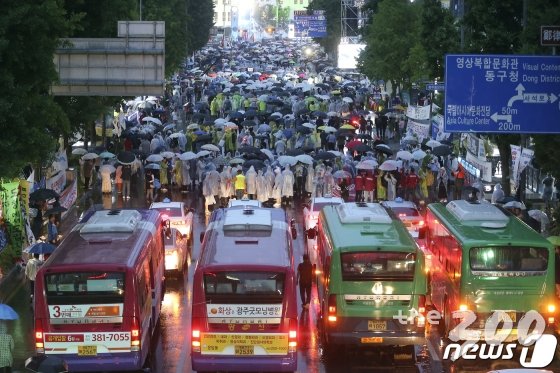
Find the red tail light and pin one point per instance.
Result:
(195, 340)
(292, 335)
(39, 344)
(421, 223)
(332, 308)
(135, 335)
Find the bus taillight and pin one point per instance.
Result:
(292, 336)
(39, 344)
(421, 319)
(195, 340)
(135, 335)
(332, 308)
(551, 308)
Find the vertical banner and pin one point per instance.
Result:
(481, 150)
(515, 156)
(524, 159)
(12, 212)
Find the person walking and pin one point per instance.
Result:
(459, 181)
(150, 183)
(88, 171)
(305, 280)
(240, 186)
(6, 349)
(126, 175)
(52, 230)
(118, 179)
(31, 269)
(441, 182)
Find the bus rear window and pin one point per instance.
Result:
(83, 285)
(364, 266)
(236, 286)
(509, 258)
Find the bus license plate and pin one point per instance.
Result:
(372, 339)
(376, 325)
(244, 350)
(87, 350)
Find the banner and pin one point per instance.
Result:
(481, 150)
(60, 162)
(418, 112)
(9, 193)
(485, 167)
(525, 159)
(57, 182)
(515, 156)
(69, 196)
(421, 130)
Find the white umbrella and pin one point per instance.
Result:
(236, 161)
(419, 154)
(79, 151)
(90, 156)
(336, 152)
(308, 125)
(153, 166)
(540, 216)
(389, 165)
(515, 205)
(332, 114)
(202, 153)
(210, 147)
(433, 143)
(365, 166)
(347, 99)
(167, 154)
(268, 154)
(220, 121)
(187, 156)
(106, 155)
(152, 119)
(404, 154)
(327, 129)
(154, 158)
(304, 158)
(287, 160)
(176, 135)
(193, 126)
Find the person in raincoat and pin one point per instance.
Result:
(262, 190)
(178, 172)
(309, 178)
(391, 181)
(164, 165)
(381, 189)
(106, 187)
(251, 182)
(269, 176)
(329, 183)
(498, 193)
(287, 185)
(277, 189)
(118, 179)
(319, 181)
(424, 175)
(207, 193)
(186, 172)
(226, 189)
(441, 182)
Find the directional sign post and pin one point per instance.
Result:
(502, 94)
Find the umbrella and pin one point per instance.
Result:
(236, 161)
(352, 143)
(295, 152)
(419, 154)
(152, 119)
(56, 209)
(89, 156)
(341, 174)
(187, 156)
(308, 125)
(154, 158)
(389, 165)
(332, 114)
(347, 100)
(79, 151)
(366, 165)
(169, 126)
(41, 248)
(249, 149)
(285, 160)
(126, 157)
(202, 153)
(325, 155)
(362, 148)
(7, 312)
(46, 364)
(304, 158)
(327, 129)
(220, 121)
(539, 215)
(410, 139)
(433, 143)
(106, 155)
(167, 154)
(268, 153)
(347, 127)
(304, 130)
(256, 163)
(236, 115)
(43, 194)
(555, 240)
(210, 147)
(384, 148)
(404, 154)
(193, 126)
(319, 114)
(515, 205)
(153, 166)
(441, 150)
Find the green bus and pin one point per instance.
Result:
(483, 259)
(370, 273)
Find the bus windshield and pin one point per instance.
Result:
(71, 287)
(509, 258)
(364, 266)
(238, 286)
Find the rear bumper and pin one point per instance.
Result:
(368, 339)
(286, 363)
(102, 363)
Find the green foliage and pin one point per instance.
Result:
(8, 257)
(200, 14)
(332, 13)
(100, 17)
(539, 13)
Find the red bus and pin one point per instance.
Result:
(98, 297)
(244, 315)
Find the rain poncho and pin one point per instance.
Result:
(309, 179)
(262, 190)
(213, 178)
(498, 193)
(277, 189)
(329, 182)
(163, 173)
(178, 172)
(106, 186)
(269, 177)
(381, 190)
(287, 182)
(226, 189)
(186, 173)
(251, 181)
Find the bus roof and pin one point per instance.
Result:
(365, 225)
(484, 223)
(247, 236)
(107, 237)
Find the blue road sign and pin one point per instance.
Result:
(310, 25)
(435, 87)
(502, 94)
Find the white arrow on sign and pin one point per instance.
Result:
(497, 117)
(553, 98)
(520, 89)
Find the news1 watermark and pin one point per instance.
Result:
(493, 339)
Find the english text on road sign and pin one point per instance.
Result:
(435, 86)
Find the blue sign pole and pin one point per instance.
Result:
(502, 94)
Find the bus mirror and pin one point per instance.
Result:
(201, 236)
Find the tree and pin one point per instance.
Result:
(200, 15)
(30, 120)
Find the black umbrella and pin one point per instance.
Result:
(319, 114)
(46, 364)
(236, 115)
(249, 149)
(203, 138)
(441, 151)
(302, 111)
(256, 163)
(324, 155)
(363, 148)
(344, 133)
(364, 136)
(126, 157)
(248, 123)
(43, 194)
(383, 148)
(198, 117)
(275, 102)
(446, 142)
(56, 209)
(251, 113)
(377, 142)
(294, 152)
(304, 130)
